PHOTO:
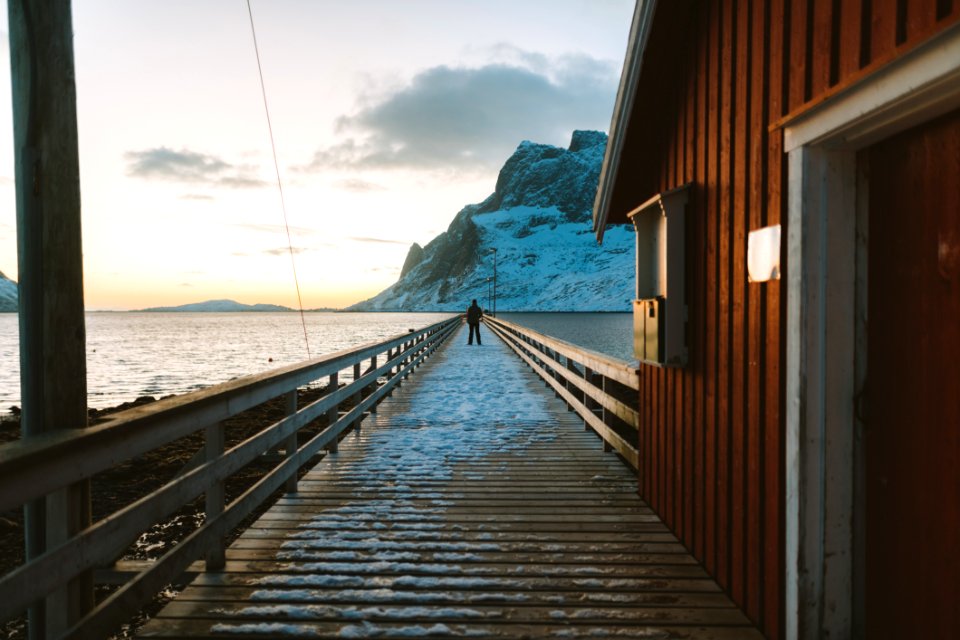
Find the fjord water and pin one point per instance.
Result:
(608, 333)
(157, 354)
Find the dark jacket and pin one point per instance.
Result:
(474, 313)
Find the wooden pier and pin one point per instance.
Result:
(472, 504)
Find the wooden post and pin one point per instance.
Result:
(606, 416)
(373, 386)
(571, 387)
(291, 444)
(357, 397)
(53, 382)
(390, 356)
(215, 495)
(334, 413)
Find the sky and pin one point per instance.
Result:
(388, 117)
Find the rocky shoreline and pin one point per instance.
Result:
(137, 477)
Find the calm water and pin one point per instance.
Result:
(136, 354)
(609, 333)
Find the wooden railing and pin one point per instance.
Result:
(604, 391)
(35, 467)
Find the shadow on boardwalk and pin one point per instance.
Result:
(473, 504)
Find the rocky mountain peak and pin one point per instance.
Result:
(541, 175)
(414, 257)
(538, 220)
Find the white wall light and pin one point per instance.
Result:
(763, 254)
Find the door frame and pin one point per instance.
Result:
(826, 325)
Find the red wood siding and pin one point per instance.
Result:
(718, 75)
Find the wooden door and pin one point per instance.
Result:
(912, 412)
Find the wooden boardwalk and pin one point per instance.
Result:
(472, 505)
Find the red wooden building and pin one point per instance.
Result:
(801, 435)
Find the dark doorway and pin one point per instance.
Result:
(912, 401)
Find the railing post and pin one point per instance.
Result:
(588, 402)
(291, 445)
(553, 368)
(571, 387)
(357, 396)
(215, 495)
(391, 353)
(605, 416)
(373, 385)
(334, 413)
(408, 348)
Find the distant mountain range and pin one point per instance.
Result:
(219, 306)
(8, 294)
(538, 221)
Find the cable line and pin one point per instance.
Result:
(276, 166)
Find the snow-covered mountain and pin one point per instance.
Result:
(8, 294)
(538, 221)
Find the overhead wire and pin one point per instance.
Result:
(276, 166)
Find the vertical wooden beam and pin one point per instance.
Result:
(334, 413)
(215, 494)
(291, 445)
(357, 396)
(373, 387)
(604, 415)
(52, 332)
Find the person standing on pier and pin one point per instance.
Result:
(474, 313)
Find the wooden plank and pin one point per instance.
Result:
(921, 18)
(822, 58)
(759, 60)
(687, 392)
(711, 319)
(699, 311)
(229, 593)
(724, 275)
(332, 613)
(799, 54)
(738, 276)
(850, 38)
(772, 455)
(883, 30)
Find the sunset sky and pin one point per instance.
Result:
(389, 116)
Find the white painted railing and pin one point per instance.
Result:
(35, 467)
(604, 391)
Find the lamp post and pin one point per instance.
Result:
(494, 252)
(489, 280)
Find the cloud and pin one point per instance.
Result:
(283, 251)
(379, 240)
(185, 284)
(162, 163)
(275, 228)
(356, 184)
(196, 196)
(456, 118)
